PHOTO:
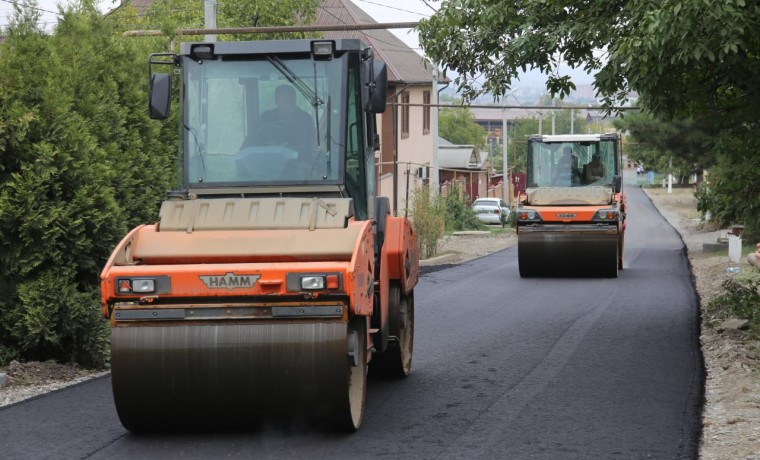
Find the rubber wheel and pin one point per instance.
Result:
(396, 361)
(350, 416)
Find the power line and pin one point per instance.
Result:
(395, 8)
(34, 8)
(405, 49)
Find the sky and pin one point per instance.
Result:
(380, 10)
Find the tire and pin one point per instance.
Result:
(396, 361)
(351, 414)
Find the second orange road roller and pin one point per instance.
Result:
(275, 278)
(571, 218)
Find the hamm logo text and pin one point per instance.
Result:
(229, 281)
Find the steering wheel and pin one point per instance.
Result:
(271, 134)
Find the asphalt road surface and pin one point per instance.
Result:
(504, 368)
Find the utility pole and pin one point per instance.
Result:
(553, 121)
(540, 122)
(434, 177)
(505, 161)
(572, 121)
(209, 7)
(554, 116)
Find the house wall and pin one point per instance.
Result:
(414, 150)
(474, 183)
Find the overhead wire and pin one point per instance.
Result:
(396, 8)
(405, 48)
(33, 7)
(8, 16)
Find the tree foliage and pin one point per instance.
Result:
(679, 147)
(731, 191)
(170, 15)
(684, 57)
(79, 164)
(458, 126)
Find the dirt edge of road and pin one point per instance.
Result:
(731, 417)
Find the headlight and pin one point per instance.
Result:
(606, 215)
(136, 285)
(311, 283)
(528, 215)
(299, 282)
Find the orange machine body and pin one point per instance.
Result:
(275, 273)
(228, 268)
(571, 218)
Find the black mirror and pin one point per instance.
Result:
(160, 95)
(374, 86)
(617, 184)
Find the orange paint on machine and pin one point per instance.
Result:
(571, 217)
(274, 270)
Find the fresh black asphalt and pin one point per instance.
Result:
(504, 368)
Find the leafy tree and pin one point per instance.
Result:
(458, 126)
(79, 164)
(679, 147)
(731, 191)
(685, 57)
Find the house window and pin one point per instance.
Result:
(426, 112)
(404, 99)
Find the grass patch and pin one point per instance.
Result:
(497, 231)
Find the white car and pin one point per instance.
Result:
(491, 210)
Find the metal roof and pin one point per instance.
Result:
(404, 64)
(461, 157)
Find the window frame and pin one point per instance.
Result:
(404, 119)
(426, 112)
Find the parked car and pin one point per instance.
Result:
(491, 210)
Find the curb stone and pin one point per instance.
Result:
(436, 260)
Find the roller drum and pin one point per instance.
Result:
(567, 254)
(187, 376)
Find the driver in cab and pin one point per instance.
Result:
(595, 172)
(286, 125)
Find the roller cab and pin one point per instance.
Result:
(571, 218)
(275, 278)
